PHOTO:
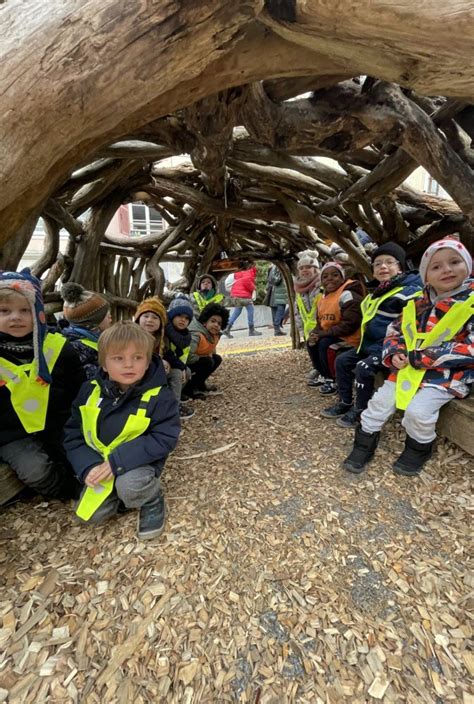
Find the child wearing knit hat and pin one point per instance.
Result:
(40, 375)
(151, 316)
(87, 314)
(177, 344)
(429, 351)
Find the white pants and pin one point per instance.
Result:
(420, 417)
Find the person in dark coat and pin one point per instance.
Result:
(131, 385)
(277, 298)
(40, 375)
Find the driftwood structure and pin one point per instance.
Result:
(97, 96)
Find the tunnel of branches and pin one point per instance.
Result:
(249, 182)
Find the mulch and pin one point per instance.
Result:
(279, 578)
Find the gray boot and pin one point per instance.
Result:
(253, 332)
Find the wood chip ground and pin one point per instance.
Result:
(280, 578)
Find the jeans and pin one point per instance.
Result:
(238, 310)
(278, 313)
(420, 417)
(319, 355)
(351, 364)
(200, 371)
(135, 488)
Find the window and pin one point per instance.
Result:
(144, 220)
(433, 188)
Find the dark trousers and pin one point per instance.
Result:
(319, 355)
(352, 365)
(200, 371)
(278, 313)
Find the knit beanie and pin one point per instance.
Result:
(334, 265)
(307, 258)
(151, 305)
(83, 307)
(446, 243)
(29, 286)
(180, 306)
(391, 249)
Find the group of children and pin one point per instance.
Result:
(106, 400)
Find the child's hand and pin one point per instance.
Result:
(98, 474)
(166, 366)
(184, 377)
(312, 338)
(400, 360)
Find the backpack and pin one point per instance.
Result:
(229, 282)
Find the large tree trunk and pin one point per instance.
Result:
(115, 67)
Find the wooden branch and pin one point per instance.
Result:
(50, 245)
(54, 210)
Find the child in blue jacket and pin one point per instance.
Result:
(124, 424)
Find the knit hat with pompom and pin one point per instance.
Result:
(81, 307)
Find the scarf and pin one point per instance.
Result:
(307, 285)
(380, 288)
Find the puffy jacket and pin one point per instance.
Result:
(152, 447)
(276, 288)
(389, 310)
(244, 283)
(451, 364)
(203, 342)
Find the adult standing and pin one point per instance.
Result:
(241, 295)
(276, 297)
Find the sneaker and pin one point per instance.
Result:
(339, 409)
(185, 412)
(198, 395)
(213, 392)
(313, 374)
(328, 388)
(316, 381)
(151, 518)
(350, 419)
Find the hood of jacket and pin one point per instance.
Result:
(206, 276)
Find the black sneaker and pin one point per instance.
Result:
(185, 412)
(151, 518)
(328, 388)
(317, 381)
(349, 419)
(339, 409)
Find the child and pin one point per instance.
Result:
(307, 285)
(206, 292)
(177, 346)
(88, 314)
(338, 318)
(40, 375)
(429, 351)
(390, 290)
(203, 360)
(242, 293)
(151, 316)
(124, 424)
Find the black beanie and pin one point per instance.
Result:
(393, 250)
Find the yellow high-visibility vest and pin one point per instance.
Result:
(136, 425)
(29, 396)
(90, 343)
(203, 302)
(185, 353)
(369, 307)
(308, 317)
(409, 378)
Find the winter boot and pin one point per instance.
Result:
(227, 332)
(151, 518)
(278, 331)
(413, 457)
(362, 452)
(253, 332)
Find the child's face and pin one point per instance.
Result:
(306, 271)
(214, 324)
(386, 267)
(206, 285)
(331, 279)
(181, 322)
(446, 270)
(16, 318)
(126, 366)
(150, 322)
(107, 322)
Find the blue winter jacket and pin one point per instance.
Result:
(389, 310)
(152, 447)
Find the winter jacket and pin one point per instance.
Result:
(350, 314)
(390, 309)
(67, 378)
(181, 339)
(203, 343)
(244, 283)
(449, 365)
(88, 355)
(276, 288)
(200, 299)
(152, 447)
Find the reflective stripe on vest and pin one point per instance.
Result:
(370, 307)
(203, 302)
(90, 343)
(136, 425)
(29, 397)
(308, 317)
(408, 378)
(185, 353)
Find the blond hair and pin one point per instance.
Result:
(122, 334)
